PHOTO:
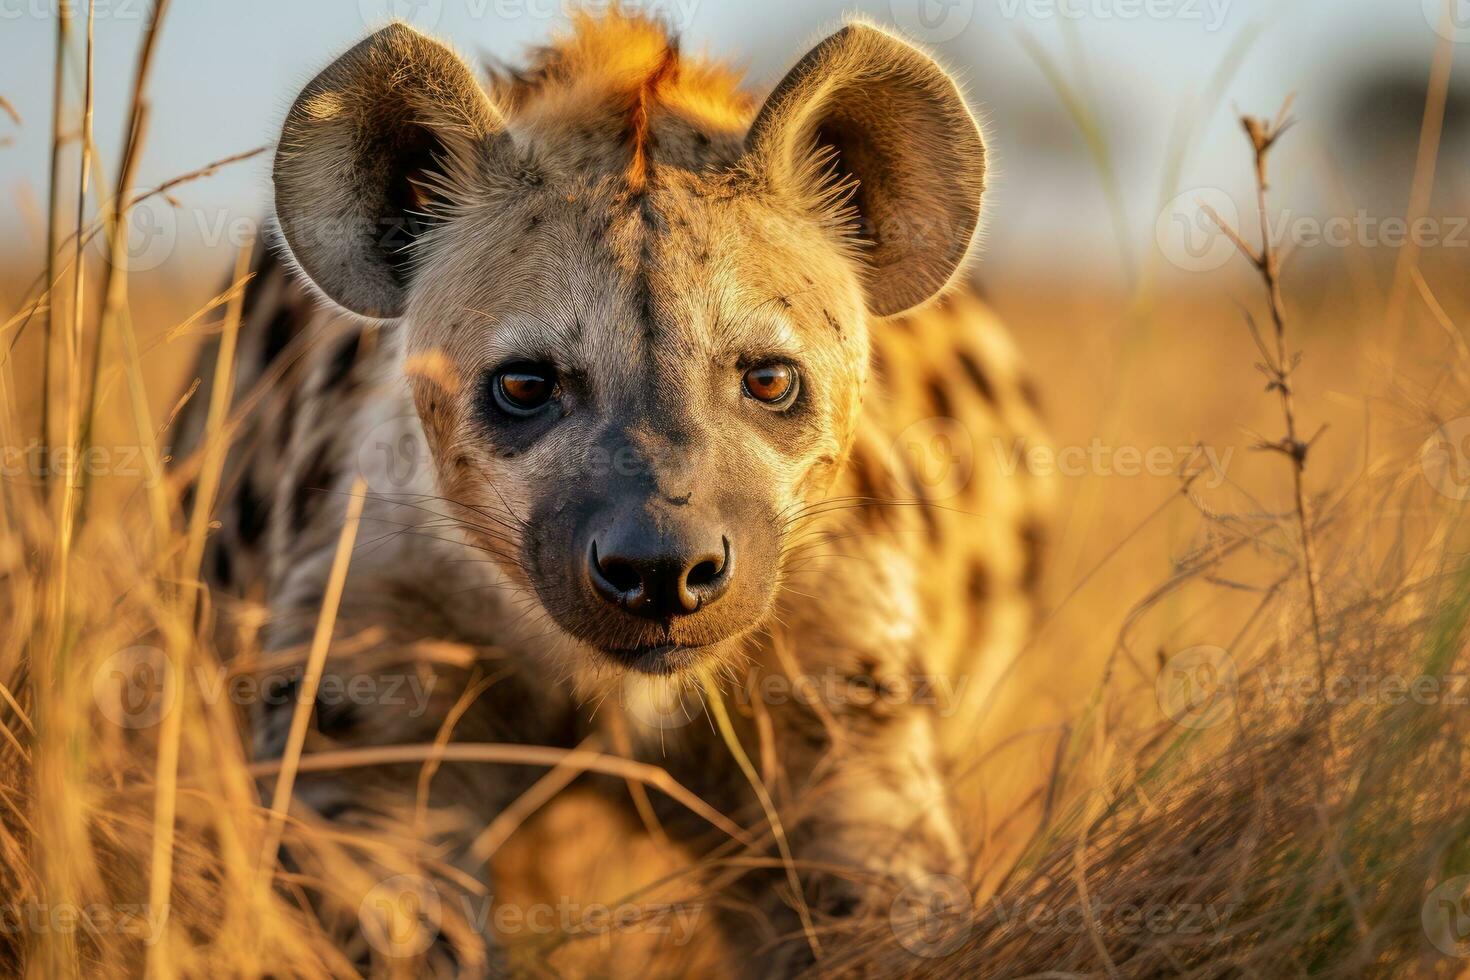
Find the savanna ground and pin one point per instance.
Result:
(1189, 771)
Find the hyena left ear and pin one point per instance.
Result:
(369, 148)
(866, 109)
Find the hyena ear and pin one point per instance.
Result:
(866, 111)
(371, 144)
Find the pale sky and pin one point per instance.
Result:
(226, 72)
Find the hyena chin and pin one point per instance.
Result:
(672, 385)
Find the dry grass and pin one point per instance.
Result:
(1258, 829)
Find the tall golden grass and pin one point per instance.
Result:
(1244, 824)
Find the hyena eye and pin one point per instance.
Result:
(524, 388)
(773, 384)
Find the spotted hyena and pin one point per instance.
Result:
(660, 391)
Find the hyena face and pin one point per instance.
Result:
(633, 309)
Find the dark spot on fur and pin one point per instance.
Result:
(870, 486)
(278, 334)
(1033, 542)
(251, 513)
(316, 480)
(261, 265)
(335, 717)
(939, 396)
(223, 571)
(342, 362)
(977, 587)
(832, 322)
(1031, 395)
(976, 375)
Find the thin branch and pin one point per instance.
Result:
(1280, 367)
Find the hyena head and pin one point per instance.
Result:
(633, 306)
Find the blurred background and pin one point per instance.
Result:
(1155, 81)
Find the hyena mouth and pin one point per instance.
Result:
(660, 659)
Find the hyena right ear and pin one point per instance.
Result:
(868, 118)
(368, 145)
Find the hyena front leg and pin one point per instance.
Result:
(393, 866)
(851, 767)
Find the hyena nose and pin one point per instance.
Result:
(655, 581)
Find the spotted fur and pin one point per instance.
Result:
(910, 533)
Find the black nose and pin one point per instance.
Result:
(656, 581)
